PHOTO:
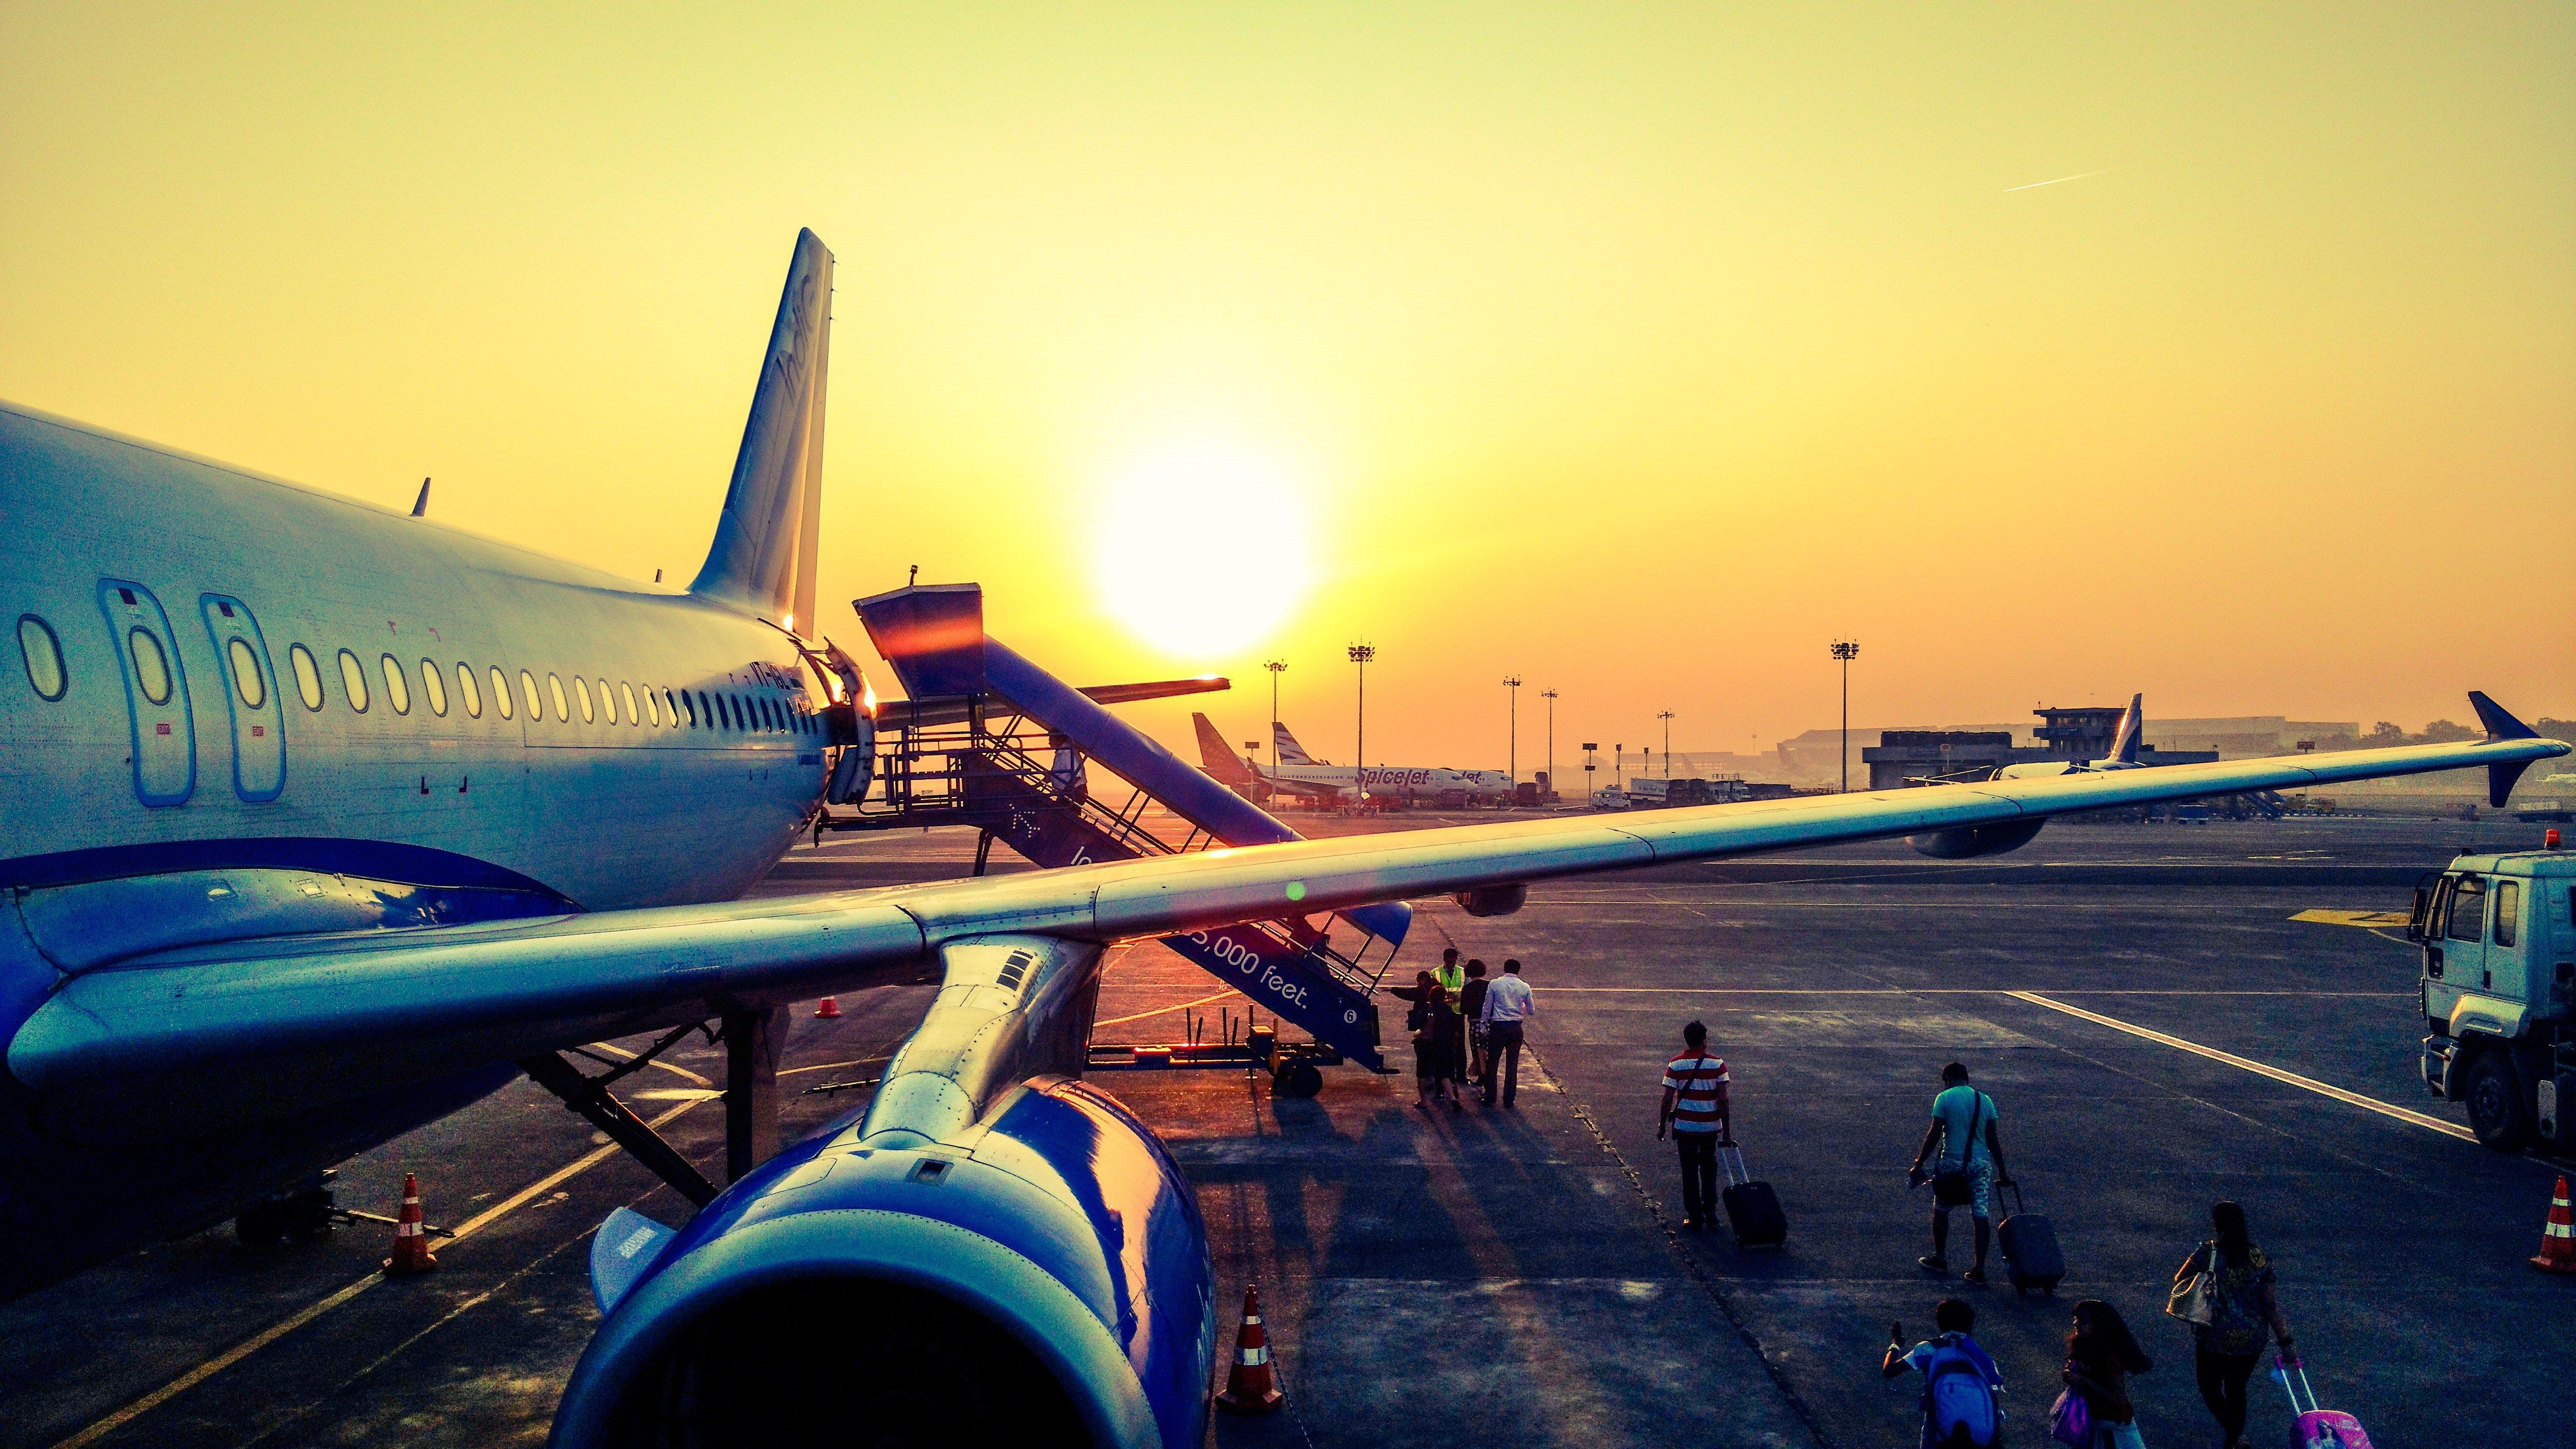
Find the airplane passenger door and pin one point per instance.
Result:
(156, 693)
(259, 733)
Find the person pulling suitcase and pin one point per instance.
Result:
(1697, 1116)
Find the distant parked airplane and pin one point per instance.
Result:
(1300, 774)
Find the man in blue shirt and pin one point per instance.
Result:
(1971, 1162)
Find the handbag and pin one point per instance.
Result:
(2070, 1420)
(1950, 1187)
(2194, 1299)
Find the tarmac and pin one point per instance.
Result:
(2157, 1030)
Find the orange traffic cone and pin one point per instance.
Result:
(828, 1009)
(411, 1245)
(1251, 1388)
(2558, 1239)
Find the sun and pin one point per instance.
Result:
(1203, 551)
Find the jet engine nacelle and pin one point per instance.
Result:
(1967, 841)
(1045, 1280)
(1499, 900)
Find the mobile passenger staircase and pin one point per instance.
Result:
(987, 739)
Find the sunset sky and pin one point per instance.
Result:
(1639, 352)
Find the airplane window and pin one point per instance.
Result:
(248, 682)
(607, 701)
(628, 690)
(397, 687)
(2508, 895)
(554, 683)
(353, 681)
(465, 686)
(581, 687)
(653, 706)
(434, 685)
(44, 656)
(151, 666)
(528, 688)
(729, 710)
(769, 713)
(501, 691)
(713, 716)
(308, 675)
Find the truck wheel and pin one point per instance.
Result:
(1302, 1079)
(2497, 1112)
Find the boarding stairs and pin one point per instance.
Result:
(996, 769)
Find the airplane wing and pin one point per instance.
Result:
(279, 1016)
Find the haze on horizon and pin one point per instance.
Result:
(2053, 354)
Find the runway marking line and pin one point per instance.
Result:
(274, 1332)
(2354, 1099)
(2363, 919)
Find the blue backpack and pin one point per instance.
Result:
(1958, 1404)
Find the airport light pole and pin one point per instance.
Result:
(1361, 654)
(1590, 749)
(1512, 769)
(1845, 651)
(1667, 718)
(1550, 696)
(1276, 667)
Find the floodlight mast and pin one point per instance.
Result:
(1845, 651)
(1361, 654)
(1667, 717)
(1276, 667)
(1550, 696)
(1512, 767)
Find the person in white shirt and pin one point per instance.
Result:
(1507, 1005)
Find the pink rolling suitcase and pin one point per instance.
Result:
(2313, 1427)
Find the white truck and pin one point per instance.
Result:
(2499, 992)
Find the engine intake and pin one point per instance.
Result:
(1967, 841)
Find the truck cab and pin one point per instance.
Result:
(2498, 935)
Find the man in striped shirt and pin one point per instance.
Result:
(1695, 1112)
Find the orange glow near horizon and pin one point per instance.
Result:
(2054, 354)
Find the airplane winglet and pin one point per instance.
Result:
(2501, 725)
(420, 505)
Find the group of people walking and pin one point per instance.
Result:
(1466, 1029)
(2225, 1291)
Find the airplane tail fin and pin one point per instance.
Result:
(1218, 758)
(763, 557)
(2501, 725)
(2133, 725)
(1285, 749)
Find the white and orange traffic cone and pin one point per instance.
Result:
(2558, 1237)
(1251, 1387)
(828, 1009)
(411, 1244)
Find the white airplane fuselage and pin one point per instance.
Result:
(231, 806)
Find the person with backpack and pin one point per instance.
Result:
(1431, 1049)
(1695, 1112)
(1970, 1164)
(2226, 1292)
(2101, 1353)
(1961, 1404)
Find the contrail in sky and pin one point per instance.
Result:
(2078, 176)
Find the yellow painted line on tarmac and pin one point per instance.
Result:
(2355, 1099)
(274, 1332)
(2365, 919)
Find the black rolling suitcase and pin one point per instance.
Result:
(1752, 1208)
(2031, 1255)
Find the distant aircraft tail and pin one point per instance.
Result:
(1285, 749)
(764, 551)
(2124, 745)
(1218, 758)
